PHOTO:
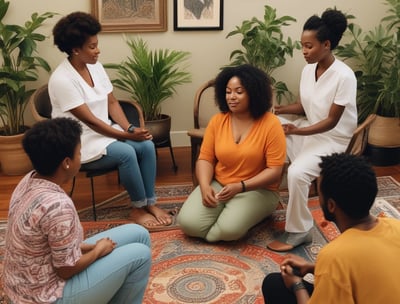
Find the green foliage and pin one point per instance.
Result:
(19, 64)
(150, 76)
(263, 46)
(375, 57)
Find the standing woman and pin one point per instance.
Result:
(80, 88)
(328, 101)
(46, 259)
(240, 162)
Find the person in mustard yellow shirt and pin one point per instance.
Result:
(240, 161)
(359, 266)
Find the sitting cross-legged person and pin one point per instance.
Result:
(240, 162)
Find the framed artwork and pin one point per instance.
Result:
(131, 15)
(195, 15)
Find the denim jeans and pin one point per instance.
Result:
(119, 277)
(136, 161)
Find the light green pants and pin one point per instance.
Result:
(229, 220)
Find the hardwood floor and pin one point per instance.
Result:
(107, 186)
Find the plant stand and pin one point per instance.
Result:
(160, 129)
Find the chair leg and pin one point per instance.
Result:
(171, 151)
(93, 200)
(72, 187)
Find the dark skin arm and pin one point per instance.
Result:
(84, 114)
(294, 108)
(335, 112)
(205, 173)
(303, 266)
(90, 253)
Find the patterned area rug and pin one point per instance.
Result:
(189, 270)
(118, 208)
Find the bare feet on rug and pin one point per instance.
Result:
(142, 217)
(162, 216)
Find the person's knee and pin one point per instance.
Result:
(148, 146)
(272, 283)
(227, 233)
(296, 173)
(185, 223)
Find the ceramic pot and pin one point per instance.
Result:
(13, 159)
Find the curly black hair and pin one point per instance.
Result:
(50, 141)
(73, 30)
(330, 26)
(256, 82)
(350, 181)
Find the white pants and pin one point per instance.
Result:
(304, 153)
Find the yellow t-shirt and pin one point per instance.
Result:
(360, 267)
(264, 146)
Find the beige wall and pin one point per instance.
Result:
(210, 49)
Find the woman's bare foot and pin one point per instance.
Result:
(142, 217)
(162, 216)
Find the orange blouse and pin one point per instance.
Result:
(264, 146)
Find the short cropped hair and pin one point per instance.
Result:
(330, 26)
(350, 181)
(73, 30)
(50, 141)
(256, 82)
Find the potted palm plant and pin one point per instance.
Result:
(375, 58)
(264, 46)
(151, 77)
(19, 65)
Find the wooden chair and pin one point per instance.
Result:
(204, 107)
(356, 146)
(41, 109)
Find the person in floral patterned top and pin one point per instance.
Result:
(46, 258)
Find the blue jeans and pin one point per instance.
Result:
(119, 277)
(136, 161)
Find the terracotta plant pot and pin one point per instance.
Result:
(13, 159)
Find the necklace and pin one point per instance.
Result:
(240, 129)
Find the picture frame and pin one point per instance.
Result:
(131, 16)
(198, 15)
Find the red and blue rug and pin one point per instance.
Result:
(189, 270)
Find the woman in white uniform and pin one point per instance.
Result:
(327, 103)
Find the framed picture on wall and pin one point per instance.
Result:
(131, 16)
(192, 15)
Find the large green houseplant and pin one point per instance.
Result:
(375, 57)
(19, 64)
(150, 77)
(264, 46)
(18, 48)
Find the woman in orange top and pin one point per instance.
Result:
(240, 161)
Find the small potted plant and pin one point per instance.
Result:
(375, 58)
(19, 65)
(151, 77)
(264, 46)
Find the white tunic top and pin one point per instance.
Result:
(68, 90)
(336, 85)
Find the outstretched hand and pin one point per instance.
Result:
(289, 129)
